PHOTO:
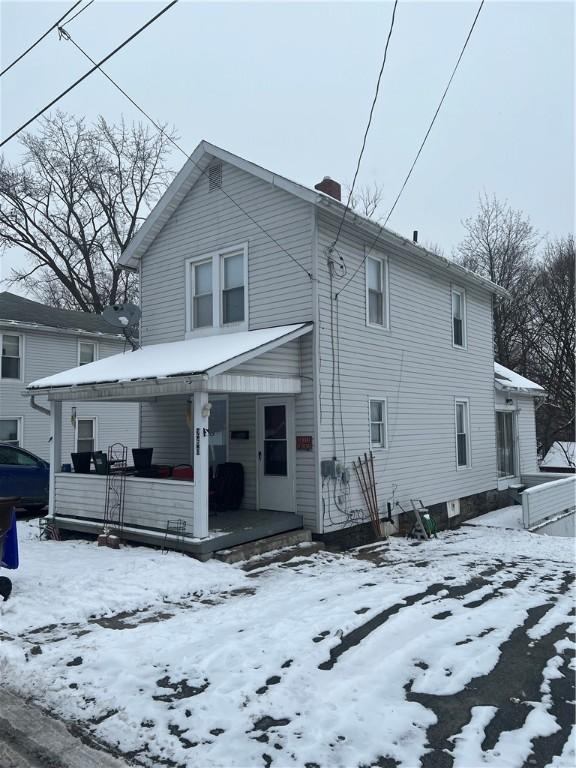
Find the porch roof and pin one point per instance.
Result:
(506, 379)
(205, 356)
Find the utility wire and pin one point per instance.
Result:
(368, 125)
(409, 174)
(79, 12)
(87, 74)
(56, 24)
(66, 35)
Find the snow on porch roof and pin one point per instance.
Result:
(201, 355)
(507, 379)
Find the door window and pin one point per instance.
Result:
(15, 458)
(505, 443)
(275, 441)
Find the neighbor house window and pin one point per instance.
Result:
(10, 431)
(376, 291)
(462, 434)
(11, 354)
(85, 435)
(378, 428)
(217, 290)
(86, 352)
(458, 317)
(506, 453)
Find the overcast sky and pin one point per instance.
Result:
(289, 86)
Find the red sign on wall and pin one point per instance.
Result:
(303, 442)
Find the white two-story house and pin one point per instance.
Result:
(37, 340)
(272, 344)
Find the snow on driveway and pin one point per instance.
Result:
(454, 652)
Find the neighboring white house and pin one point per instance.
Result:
(560, 458)
(266, 346)
(37, 340)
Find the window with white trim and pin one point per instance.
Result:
(377, 292)
(10, 431)
(86, 352)
(378, 424)
(85, 435)
(458, 317)
(11, 365)
(462, 418)
(217, 290)
(505, 443)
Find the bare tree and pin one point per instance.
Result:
(75, 203)
(553, 324)
(366, 199)
(500, 245)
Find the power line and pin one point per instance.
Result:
(374, 100)
(424, 140)
(87, 74)
(56, 24)
(66, 35)
(79, 12)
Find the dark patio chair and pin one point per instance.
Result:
(227, 487)
(81, 462)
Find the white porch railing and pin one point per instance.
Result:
(149, 502)
(543, 501)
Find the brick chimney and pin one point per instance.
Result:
(329, 187)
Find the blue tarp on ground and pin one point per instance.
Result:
(9, 550)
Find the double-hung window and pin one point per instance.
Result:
(11, 365)
(462, 434)
(86, 352)
(10, 431)
(377, 292)
(378, 426)
(86, 435)
(458, 317)
(217, 290)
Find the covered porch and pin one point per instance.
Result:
(205, 403)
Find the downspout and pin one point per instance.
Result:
(34, 404)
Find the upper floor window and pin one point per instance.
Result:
(217, 289)
(11, 356)
(462, 434)
(86, 352)
(458, 317)
(377, 292)
(378, 425)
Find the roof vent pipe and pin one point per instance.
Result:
(415, 236)
(329, 187)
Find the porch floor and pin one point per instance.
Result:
(226, 529)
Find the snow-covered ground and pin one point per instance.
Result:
(393, 654)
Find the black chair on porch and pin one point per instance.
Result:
(227, 487)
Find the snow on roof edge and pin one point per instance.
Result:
(514, 381)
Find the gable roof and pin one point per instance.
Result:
(196, 166)
(17, 309)
(506, 379)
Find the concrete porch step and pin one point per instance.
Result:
(263, 546)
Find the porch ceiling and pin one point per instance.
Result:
(196, 364)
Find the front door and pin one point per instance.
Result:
(276, 454)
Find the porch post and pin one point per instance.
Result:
(55, 450)
(200, 447)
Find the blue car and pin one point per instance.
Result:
(24, 474)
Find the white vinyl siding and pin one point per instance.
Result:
(10, 431)
(85, 435)
(11, 362)
(459, 317)
(462, 420)
(87, 352)
(378, 423)
(377, 292)
(217, 290)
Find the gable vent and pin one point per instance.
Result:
(215, 177)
